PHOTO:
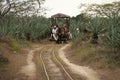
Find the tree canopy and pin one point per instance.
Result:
(20, 7)
(105, 10)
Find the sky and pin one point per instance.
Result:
(69, 7)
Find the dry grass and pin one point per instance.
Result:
(94, 55)
(12, 43)
(97, 56)
(16, 59)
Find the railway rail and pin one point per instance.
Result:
(53, 67)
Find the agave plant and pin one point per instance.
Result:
(113, 35)
(4, 28)
(20, 28)
(95, 28)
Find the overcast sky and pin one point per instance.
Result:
(69, 7)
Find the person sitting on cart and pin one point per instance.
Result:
(54, 32)
(67, 32)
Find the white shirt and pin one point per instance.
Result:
(54, 31)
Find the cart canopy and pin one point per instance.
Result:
(60, 15)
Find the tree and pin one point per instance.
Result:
(105, 10)
(4, 8)
(20, 7)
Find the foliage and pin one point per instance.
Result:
(114, 31)
(107, 21)
(78, 24)
(105, 10)
(31, 28)
(20, 7)
(95, 25)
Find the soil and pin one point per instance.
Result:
(26, 64)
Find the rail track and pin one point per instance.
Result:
(52, 66)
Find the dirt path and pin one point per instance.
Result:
(88, 73)
(31, 70)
